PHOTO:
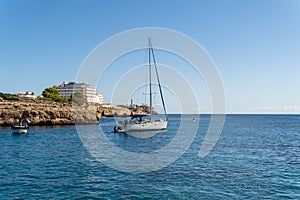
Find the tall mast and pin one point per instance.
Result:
(150, 46)
(160, 90)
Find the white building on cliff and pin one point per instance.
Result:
(26, 95)
(67, 90)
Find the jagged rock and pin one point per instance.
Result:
(42, 112)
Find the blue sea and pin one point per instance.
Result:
(255, 157)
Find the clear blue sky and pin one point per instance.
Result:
(255, 44)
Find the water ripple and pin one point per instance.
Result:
(256, 157)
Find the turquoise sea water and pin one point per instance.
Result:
(256, 157)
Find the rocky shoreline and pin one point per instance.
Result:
(43, 112)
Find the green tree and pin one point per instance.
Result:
(52, 94)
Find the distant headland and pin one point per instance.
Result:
(47, 111)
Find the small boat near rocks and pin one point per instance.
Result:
(21, 127)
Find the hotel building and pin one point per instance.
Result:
(66, 90)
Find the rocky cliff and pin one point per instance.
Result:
(42, 112)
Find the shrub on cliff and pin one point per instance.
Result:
(52, 94)
(9, 96)
(78, 98)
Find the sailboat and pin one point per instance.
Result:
(146, 122)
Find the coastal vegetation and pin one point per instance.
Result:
(51, 94)
(78, 99)
(9, 96)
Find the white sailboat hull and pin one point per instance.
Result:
(149, 126)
